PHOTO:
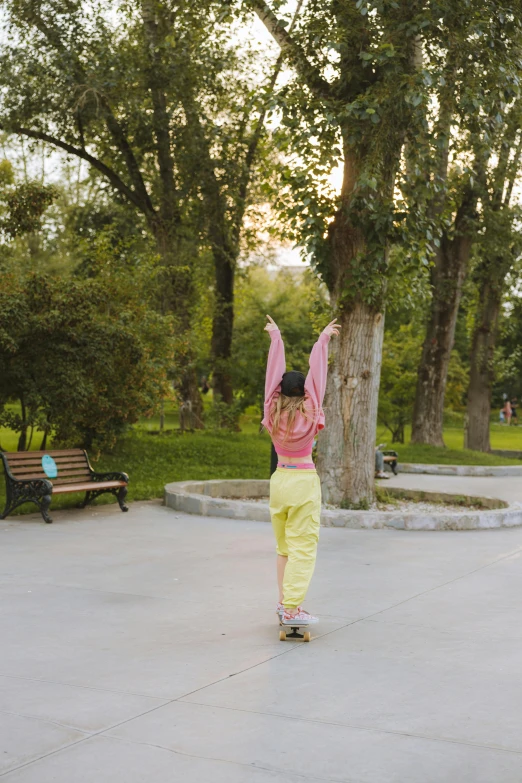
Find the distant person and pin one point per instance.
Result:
(507, 412)
(514, 406)
(293, 415)
(502, 418)
(205, 388)
(379, 462)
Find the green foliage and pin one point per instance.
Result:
(400, 81)
(25, 207)
(84, 358)
(508, 357)
(400, 360)
(374, 96)
(222, 416)
(22, 205)
(457, 383)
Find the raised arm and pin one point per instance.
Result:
(315, 383)
(276, 364)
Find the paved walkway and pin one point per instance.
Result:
(507, 488)
(125, 655)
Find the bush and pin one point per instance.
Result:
(84, 358)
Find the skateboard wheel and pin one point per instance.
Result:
(282, 636)
(307, 636)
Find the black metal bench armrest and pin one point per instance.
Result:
(113, 476)
(39, 487)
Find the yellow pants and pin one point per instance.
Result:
(295, 509)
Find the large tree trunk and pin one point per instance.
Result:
(223, 324)
(177, 298)
(225, 249)
(346, 458)
(448, 274)
(478, 409)
(346, 454)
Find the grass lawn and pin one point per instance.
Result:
(154, 460)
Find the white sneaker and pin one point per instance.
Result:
(302, 617)
(382, 475)
(280, 610)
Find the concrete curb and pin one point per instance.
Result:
(461, 470)
(507, 453)
(231, 499)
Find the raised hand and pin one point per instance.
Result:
(332, 328)
(271, 325)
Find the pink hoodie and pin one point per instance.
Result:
(299, 442)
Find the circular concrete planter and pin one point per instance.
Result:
(233, 499)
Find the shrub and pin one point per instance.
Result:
(84, 358)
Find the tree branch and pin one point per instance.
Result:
(160, 117)
(291, 50)
(112, 123)
(255, 138)
(515, 165)
(111, 175)
(500, 173)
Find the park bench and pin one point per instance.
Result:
(391, 458)
(35, 476)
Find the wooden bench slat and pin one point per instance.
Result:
(90, 486)
(58, 460)
(38, 461)
(17, 455)
(71, 480)
(37, 467)
(61, 475)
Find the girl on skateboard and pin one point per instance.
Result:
(293, 415)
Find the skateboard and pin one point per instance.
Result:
(306, 636)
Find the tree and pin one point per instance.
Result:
(157, 97)
(363, 83)
(477, 84)
(82, 384)
(498, 249)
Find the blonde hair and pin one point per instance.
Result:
(289, 405)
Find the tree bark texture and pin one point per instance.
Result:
(476, 434)
(347, 444)
(222, 325)
(448, 274)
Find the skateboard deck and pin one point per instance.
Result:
(292, 632)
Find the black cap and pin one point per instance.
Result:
(292, 384)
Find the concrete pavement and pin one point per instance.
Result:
(125, 655)
(507, 488)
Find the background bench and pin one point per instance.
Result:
(35, 476)
(391, 458)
